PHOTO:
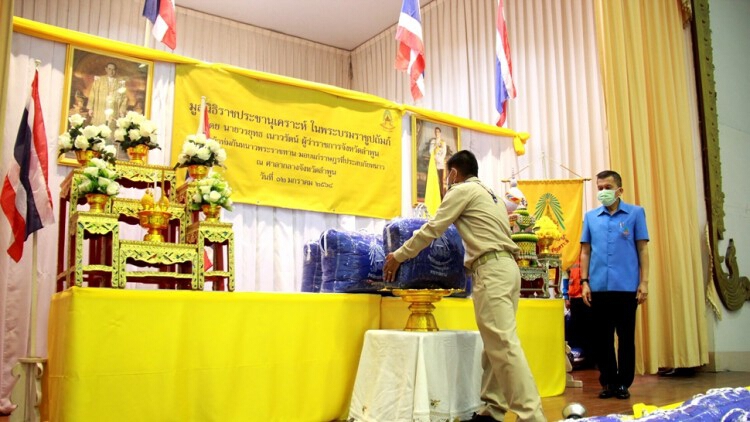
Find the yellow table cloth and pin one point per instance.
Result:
(166, 355)
(137, 355)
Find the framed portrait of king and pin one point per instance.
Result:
(102, 87)
(433, 144)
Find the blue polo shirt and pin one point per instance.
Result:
(614, 264)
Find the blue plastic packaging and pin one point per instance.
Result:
(312, 268)
(352, 262)
(439, 266)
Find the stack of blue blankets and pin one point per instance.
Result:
(352, 262)
(439, 266)
(312, 268)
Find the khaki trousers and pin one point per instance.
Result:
(507, 383)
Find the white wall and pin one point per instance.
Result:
(730, 32)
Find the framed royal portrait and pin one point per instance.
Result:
(431, 141)
(102, 87)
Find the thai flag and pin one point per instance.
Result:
(25, 197)
(162, 16)
(410, 55)
(504, 88)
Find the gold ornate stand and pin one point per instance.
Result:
(103, 232)
(159, 254)
(421, 307)
(218, 236)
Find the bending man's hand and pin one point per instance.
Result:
(389, 268)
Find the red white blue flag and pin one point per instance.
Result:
(410, 55)
(162, 16)
(504, 88)
(26, 200)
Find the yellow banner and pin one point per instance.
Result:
(295, 147)
(561, 200)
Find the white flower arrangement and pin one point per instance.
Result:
(89, 138)
(98, 177)
(134, 129)
(213, 190)
(199, 150)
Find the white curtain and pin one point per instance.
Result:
(554, 56)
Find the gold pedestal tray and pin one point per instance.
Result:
(421, 307)
(155, 221)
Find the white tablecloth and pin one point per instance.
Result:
(408, 376)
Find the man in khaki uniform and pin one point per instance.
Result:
(507, 383)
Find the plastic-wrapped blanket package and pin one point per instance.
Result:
(722, 404)
(439, 266)
(352, 262)
(312, 269)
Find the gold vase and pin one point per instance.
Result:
(97, 202)
(545, 243)
(421, 307)
(83, 157)
(212, 212)
(198, 171)
(138, 154)
(154, 221)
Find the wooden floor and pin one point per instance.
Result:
(649, 389)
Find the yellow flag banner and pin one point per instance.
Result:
(294, 147)
(562, 201)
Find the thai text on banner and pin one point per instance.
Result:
(295, 147)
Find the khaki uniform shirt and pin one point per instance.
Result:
(482, 223)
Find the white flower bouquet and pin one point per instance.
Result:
(98, 177)
(89, 138)
(212, 190)
(199, 150)
(134, 129)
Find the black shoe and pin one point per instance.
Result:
(622, 393)
(481, 418)
(606, 393)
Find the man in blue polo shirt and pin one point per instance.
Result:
(614, 280)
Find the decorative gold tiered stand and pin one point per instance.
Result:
(421, 307)
(173, 262)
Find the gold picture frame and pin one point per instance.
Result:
(424, 132)
(103, 86)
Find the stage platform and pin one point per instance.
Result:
(125, 355)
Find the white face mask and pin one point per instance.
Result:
(452, 182)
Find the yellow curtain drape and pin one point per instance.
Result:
(6, 29)
(641, 53)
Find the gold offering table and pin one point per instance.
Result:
(220, 238)
(103, 232)
(164, 256)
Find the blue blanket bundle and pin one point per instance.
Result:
(439, 266)
(352, 262)
(312, 268)
(721, 404)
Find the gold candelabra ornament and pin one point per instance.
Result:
(154, 216)
(421, 307)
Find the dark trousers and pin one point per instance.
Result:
(614, 312)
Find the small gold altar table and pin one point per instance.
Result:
(220, 238)
(103, 233)
(163, 256)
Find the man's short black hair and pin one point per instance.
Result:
(610, 173)
(464, 162)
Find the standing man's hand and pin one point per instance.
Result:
(642, 293)
(390, 267)
(586, 293)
